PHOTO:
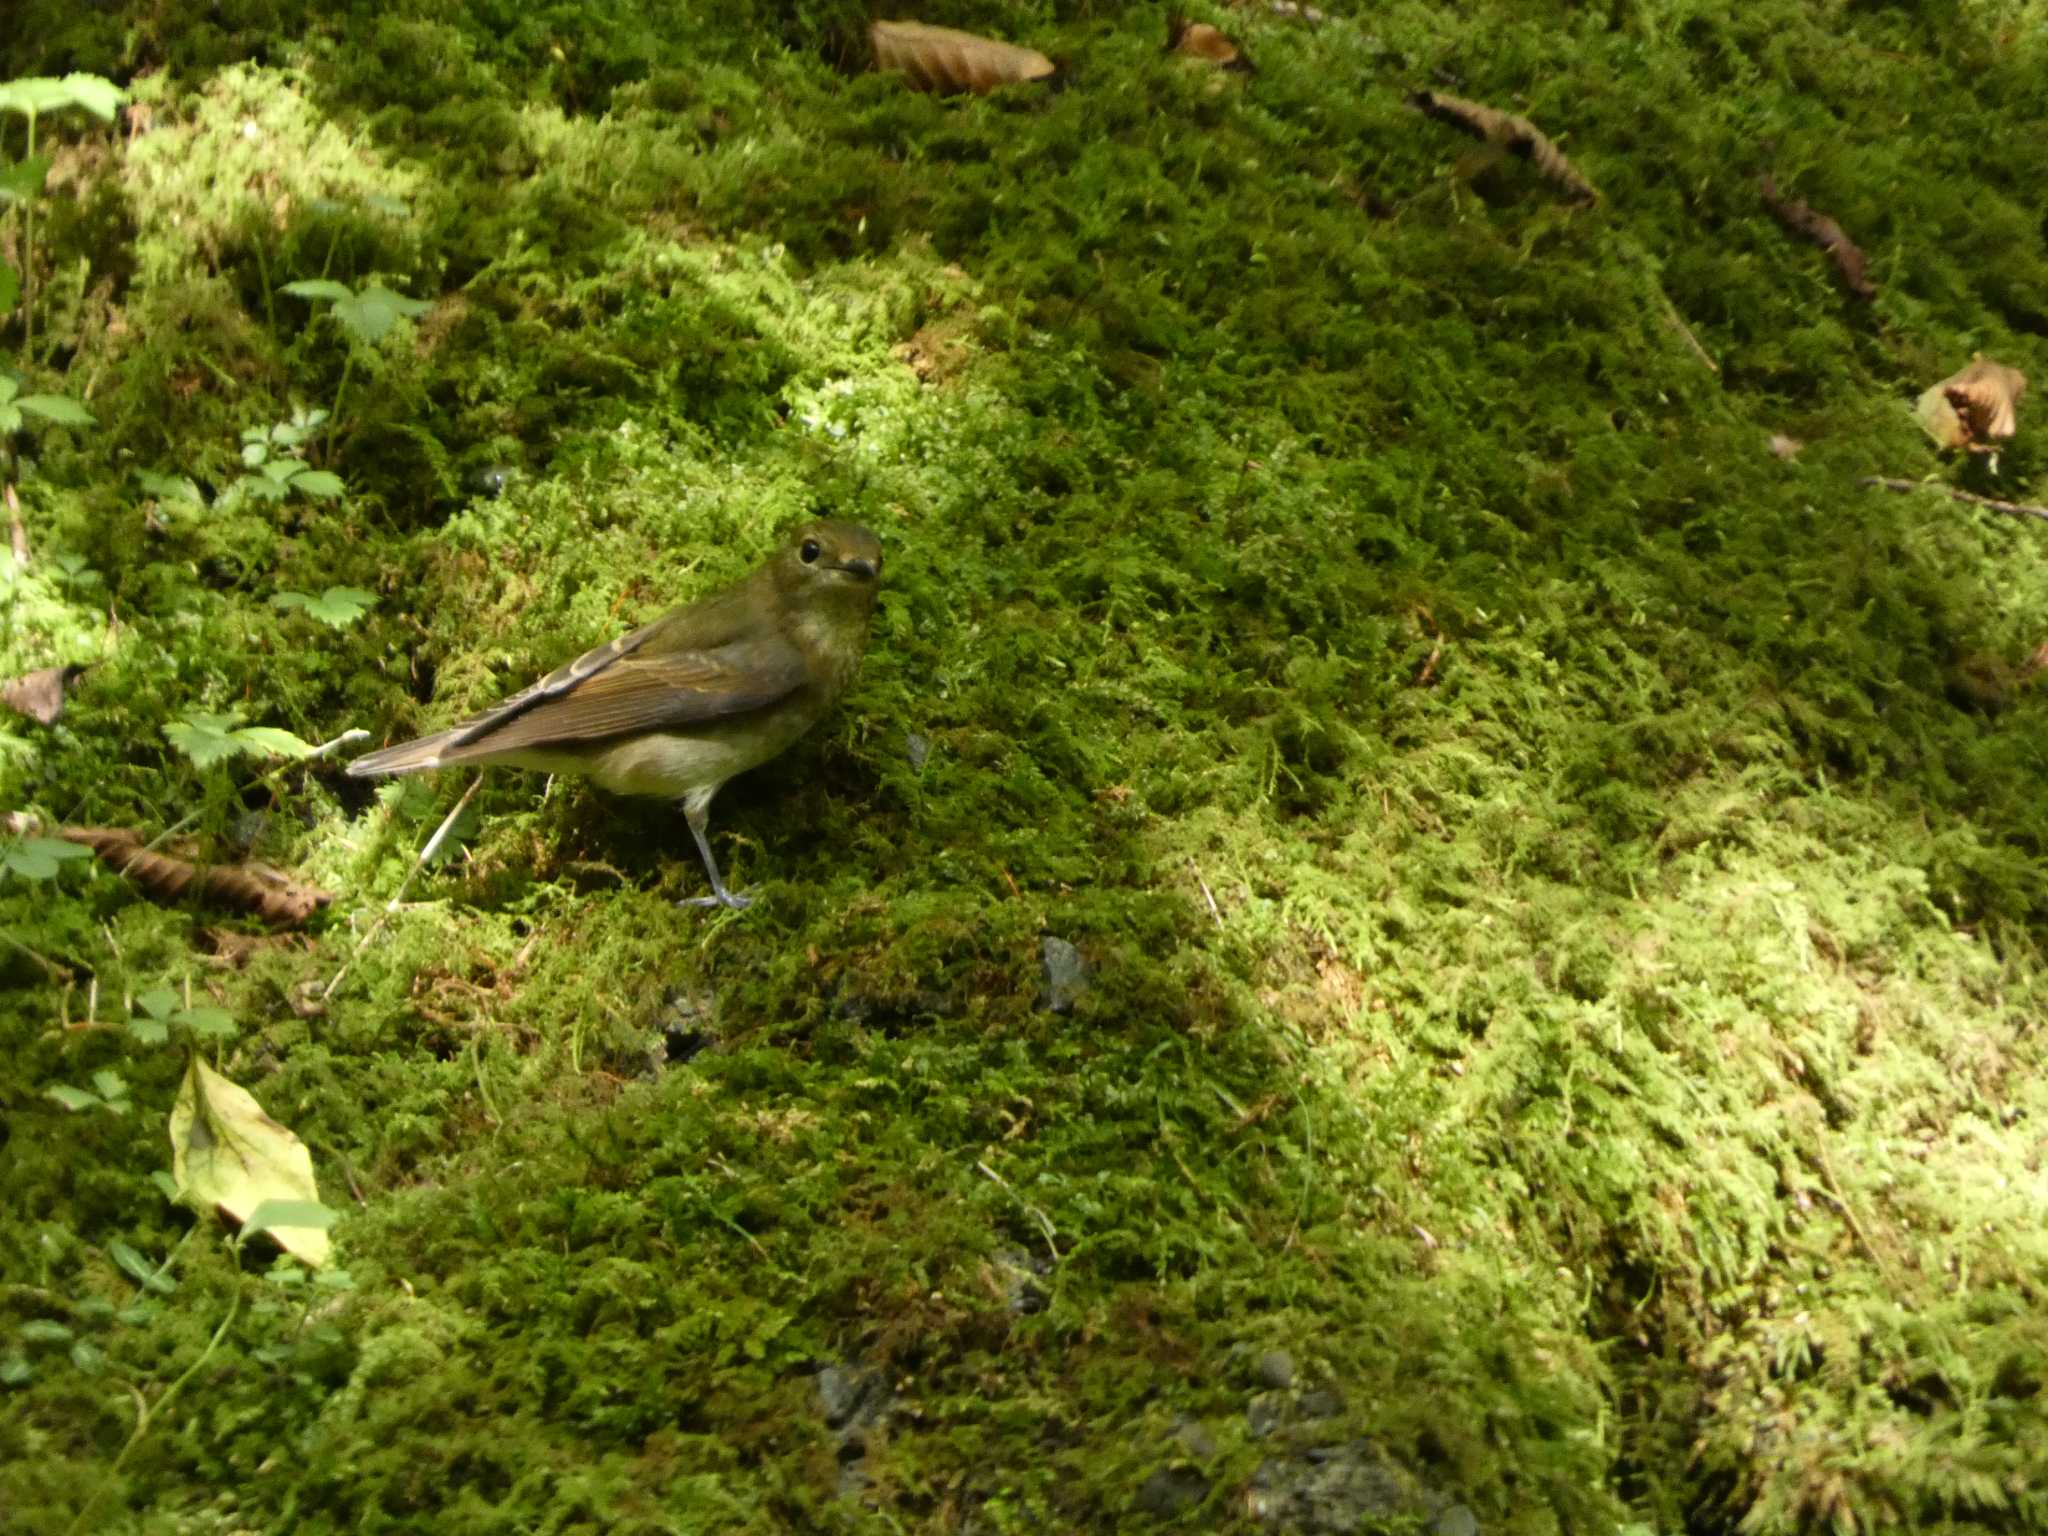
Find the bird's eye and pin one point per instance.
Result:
(809, 551)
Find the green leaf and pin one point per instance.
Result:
(274, 740)
(229, 1155)
(43, 1330)
(207, 1023)
(337, 607)
(15, 1371)
(318, 482)
(171, 487)
(157, 1002)
(88, 1356)
(33, 95)
(166, 1185)
(71, 1098)
(369, 316)
(139, 1269)
(206, 739)
(282, 470)
(38, 858)
(61, 409)
(149, 1031)
(319, 288)
(111, 1089)
(260, 488)
(335, 1279)
(96, 94)
(22, 181)
(272, 1214)
(10, 420)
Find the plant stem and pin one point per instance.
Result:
(28, 257)
(145, 1415)
(334, 416)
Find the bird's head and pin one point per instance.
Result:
(830, 562)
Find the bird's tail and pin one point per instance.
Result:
(407, 757)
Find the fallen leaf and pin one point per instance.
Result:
(1516, 135)
(1976, 408)
(942, 60)
(1199, 40)
(1784, 447)
(227, 1154)
(1825, 233)
(254, 888)
(40, 695)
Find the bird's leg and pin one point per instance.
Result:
(698, 816)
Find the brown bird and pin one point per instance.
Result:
(707, 691)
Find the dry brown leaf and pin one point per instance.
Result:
(40, 695)
(1517, 135)
(1977, 408)
(1825, 233)
(1199, 40)
(941, 60)
(252, 888)
(1783, 447)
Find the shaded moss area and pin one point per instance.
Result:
(1559, 888)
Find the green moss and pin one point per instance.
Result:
(1559, 886)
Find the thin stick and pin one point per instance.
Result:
(2016, 508)
(1678, 324)
(1208, 894)
(1044, 1221)
(433, 846)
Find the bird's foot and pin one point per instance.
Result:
(732, 899)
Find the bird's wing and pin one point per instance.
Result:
(624, 686)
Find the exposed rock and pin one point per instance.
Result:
(916, 748)
(1019, 1270)
(1066, 975)
(1173, 1491)
(1274, 1368)
(1333, 1490)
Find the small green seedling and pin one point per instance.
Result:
(366, 316)
(108, 1092)
(209, 739)
(22, 181)
(337, 607)
(275, 455)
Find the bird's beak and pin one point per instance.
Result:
(865, 569)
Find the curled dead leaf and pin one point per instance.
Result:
(1824, 232)
(1783, 447)
(944, 61)
(1516, 135)
(254, 888)
(1976, 408)
(41, 695)
(1199, 40)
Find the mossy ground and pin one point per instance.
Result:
(1562, 888)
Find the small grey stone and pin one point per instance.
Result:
(1267, 1412)
(1274, 1368)
(1322, 1403)
(1020, 1271)
(1193, 1436)
(1458, 1520)
(916, 747)
(1066, 975)
(1172, 1491)
(1334, 1490)
(850, 1397)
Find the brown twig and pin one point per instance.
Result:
(1824, 232)
(2015, 508)
(1517, 135)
